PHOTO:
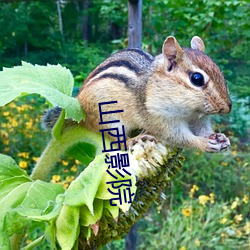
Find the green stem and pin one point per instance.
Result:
(57, 147)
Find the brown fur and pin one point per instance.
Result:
(156, 94)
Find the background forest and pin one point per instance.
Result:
(207, 206)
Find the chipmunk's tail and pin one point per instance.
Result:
(50, 117)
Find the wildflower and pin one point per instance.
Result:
(203, 199)
(73, 168)
(183, 248)
(223, 220)
(193, 190)
(23, 164)
(197, 242)
(224, 164)
(238, 218)
(6, 113)
(245, 199)
(70, 178)
(187, 211)
(35, 159)
(4, 134)
(29, 124)
(24, 155)
(234, 152)
(65, 163)
(238, 233)
(223, 235)
(65, 185)
(55, 178)
(14, 123)
(211, 195)
(247, 227)
(235, 203)
(77, 162)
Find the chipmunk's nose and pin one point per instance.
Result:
(227, 108)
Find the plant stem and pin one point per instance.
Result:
(57, 147)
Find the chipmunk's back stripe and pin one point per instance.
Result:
(147, 56)
(118, 77)
(118, 63)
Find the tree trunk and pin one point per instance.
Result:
(131, 238)
(135, 23)
(59, 16)
(85, 20)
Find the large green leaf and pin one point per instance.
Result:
(67, 226)
(53, 82)
(83, 152)
(83, 189)
(22, 200)
(9, 168)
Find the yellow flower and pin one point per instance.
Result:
(29, 124)
(6, 113)
(55, 178)
(211, 195)
(65, 185)
(73, 168)
(70, 178)
(4, 134)
(187, 211)
(234, 152)
(223, 235)
(77, 162)
(65, 163)
(224, 164)
(14, 123)
(183, 248)
(35, 159)
(235, 203)
(247, 227)
(197, 242)
(223, 220)
(203, 199)
(193, 190)
(24, 154)
(238, 233)
(23, 164)
(12, 105)
(238, 218)
(245, 199)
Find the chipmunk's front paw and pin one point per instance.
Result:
(141, 139)
(217, 142)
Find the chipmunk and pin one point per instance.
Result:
(170, 96)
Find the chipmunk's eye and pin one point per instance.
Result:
(197, 79)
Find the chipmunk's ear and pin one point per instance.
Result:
(197, 43)
(171, 49)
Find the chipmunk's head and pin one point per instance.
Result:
(198, 77)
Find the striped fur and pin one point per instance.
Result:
(157, 95)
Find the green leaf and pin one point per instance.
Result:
(53, 82)
(83, 152)
(114, 210)
(9, 168)
(39, 194)
(58, 127)
(104, 194)
(83, 189)
(50, 234)
(6, 186)
(67, 226)
(86, 218)
(34, 243)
